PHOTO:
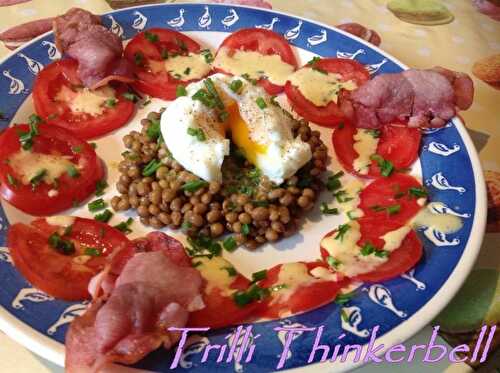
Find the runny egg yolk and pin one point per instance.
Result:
(241, 135)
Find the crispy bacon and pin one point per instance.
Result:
(423, 98)
(79, 34)
(17, 35)
(154, 288)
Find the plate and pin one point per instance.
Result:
(448, 165)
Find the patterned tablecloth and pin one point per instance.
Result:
(462, 35)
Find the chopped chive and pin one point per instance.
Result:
(154, 130)
(236, 86)
(341, 231)
(314, 60)
(245, 229)
(110, 102)
(351, 216)
(100, 186)
(164, 54)
(92, 251)
(65, 247)
(138, 58)
(76, 149)
(26, 138)
(332, 262)
(259, 276)
(183, 47)
(368, 249)
(130, 96)
(93, 145)
(197, 132)
(249, 79)
(342, 196)
(204, 97)
(193, 186)
(261, 103)
(187, 71)
(382, 253)
(417, 192)
(124, 226)
(344, 315)
(333, 183)
(73, 172)
(209, 58)
(328, 210)
(11, 180)
(151, 167)
(344, 298)
(209, 84)
(104, 216)
(394, 209)
(230, 271)
(97, 205)
(320, 70)
(186, 225)
(374, 133)
(153, 38)
(180, 91)
(254, 293)
(386, 167)
(229, 244)
(34, 119)
(37, 179)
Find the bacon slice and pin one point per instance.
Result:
(424, 98)
(80, 35)
(20, 34)
(12, 2)
(361, 31)
(154, 290)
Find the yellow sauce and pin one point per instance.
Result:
(444, 223)
(84, 100)
(318, 87)
(60, 220)
(254, 64)
(28, 165)
(394, 239)
(365, 144)
(192, 66)
(293, 276)
(212, 270)
(352, 189)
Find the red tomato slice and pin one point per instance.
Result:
(389, 192)
(313, 294)
(331, 114)
(51, 140)
(220, 309)
(160, 84)
(62, 276)
(400, 260)
(397, 144)
(48, 84)
(265, 42)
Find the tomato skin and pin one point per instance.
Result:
(265, 42)
(304, 299)
(220, 310)
(161, 85)
(64, 72)
(330, 115)
(51, 139)
(52, 272)
(397, 143)
(383, 192)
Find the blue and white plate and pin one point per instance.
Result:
(448, 165)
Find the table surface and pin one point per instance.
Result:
(456, 45)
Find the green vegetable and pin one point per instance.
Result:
(209, 58)
(180, 91)
(386, 167)
(11, 180)
(261, 103)
(154, 131)
(382, 253)
(314, 60)
(204, 97)
(197, 132)
(344, 315)
(341, 196)
(230, 244)
(193, 186)
(204, 246)
(344, 298)
(230, 271)
(124, 226)
(104, 216)
(97, 205)
(100, 186)
(65, 247)
(26, 138)
(187, 71)
(245, 229)
(248, 79)
(259, 276)
(333, 183)
(37, 179)
(73, 172)
(351, 216)
(138, 58)
(374, 133)
(110, 102)
(418, 192)
(182, 45)
(209, 84)
(92, 251)
(327, 210)
(368, 249)
(130, 96)
(236, 86)
(394, 209)
(164, 54)
(254, 293)
(153, 38)
(332, 262)
(341, 231)
(76, 149)
(151, 167)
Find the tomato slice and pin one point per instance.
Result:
(397, 143)
(63, 75)
(313, 293)
(220, 309)
(63, 276)
(330, 115)
(389, 199)
(160, 84)
(265, 42)
(47, 199)
(399, 261)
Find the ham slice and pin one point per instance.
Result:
(362, 32)
(80, 35)
(154, 290)
(423, 98)
(20, 34)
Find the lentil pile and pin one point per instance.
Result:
(246, 203)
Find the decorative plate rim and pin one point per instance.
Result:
(54, 351)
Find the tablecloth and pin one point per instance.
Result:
(459, 35)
